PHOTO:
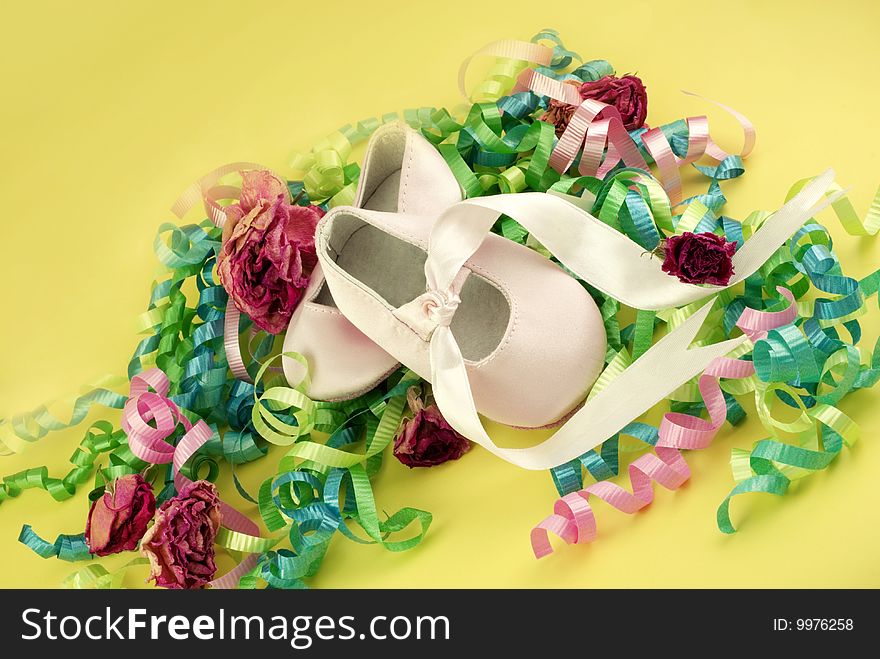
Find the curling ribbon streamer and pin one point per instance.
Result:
(231, 343)
(750, 134)
(20, 430)
(148, 402)
(66, 547)
(595, 126)
(755, 324)
(97, 577)
(511, 57)
(771, 466)
(205, 190)
(846, 213)
(573, 519)
(509, 49)
(313, 477)
(100, 438)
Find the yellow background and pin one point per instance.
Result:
(110, 109)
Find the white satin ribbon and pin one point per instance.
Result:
(599, 254)
(615, 265)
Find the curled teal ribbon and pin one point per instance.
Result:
(66, 547)
(767, 456)
(807, 365)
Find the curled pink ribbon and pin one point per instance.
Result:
(593, 126)
(755, 324)
(231, 343)
(668, 164)
(149, 418)
(531, 80)
(206, 190)
(573, 519)
(515, 50)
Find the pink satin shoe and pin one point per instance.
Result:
(501, 331)
(403, 173)
(531, 337)
(507, 302)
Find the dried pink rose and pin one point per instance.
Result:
(118, 519)
(180, 545)
(699, 258)
(627, 94)
(427, 440)
(268, 251)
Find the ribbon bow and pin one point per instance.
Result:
(440, 306)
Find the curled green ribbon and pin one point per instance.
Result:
(100, 439)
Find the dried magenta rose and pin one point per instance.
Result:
(627, 94)
(118, 519)
(180, 545)
(699, 258)
(268, 251)
(427, 440)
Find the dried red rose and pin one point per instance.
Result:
(180, 545)
(118, 519)
(559, 113)
(268, 251)
(627, 94)
(427, 440)
(699, 258)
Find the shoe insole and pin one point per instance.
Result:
(395, 270)
(384, 198)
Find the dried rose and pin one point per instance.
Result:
(259, 185)
(268, 251)
(699, 258)
(627, 94)
(559, 113)
(180, 545)
(118, 519)
(427, 440)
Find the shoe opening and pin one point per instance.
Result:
(394, 269)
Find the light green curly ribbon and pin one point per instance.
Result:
(100, 439)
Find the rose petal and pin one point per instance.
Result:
(261, 185)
